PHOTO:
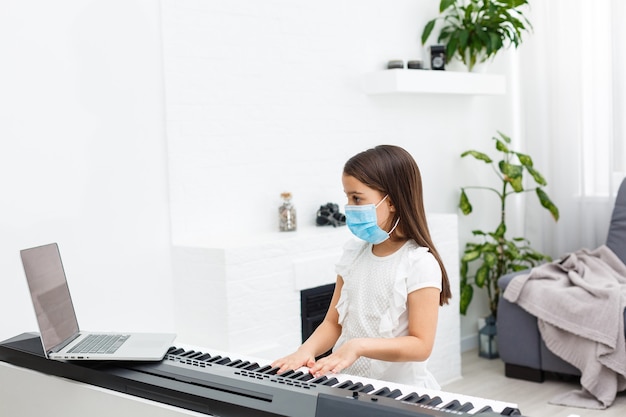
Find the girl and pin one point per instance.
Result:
(383, 314)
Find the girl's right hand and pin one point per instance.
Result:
(295, 361)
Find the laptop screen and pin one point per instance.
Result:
(50, 294)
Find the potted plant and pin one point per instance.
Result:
(476, 30)
(495, 254)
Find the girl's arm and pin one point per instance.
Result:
(322, 339)
(423, 310)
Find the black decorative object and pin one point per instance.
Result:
(414, 64)
(329, 214)
(396, 63)
(438, 57)
(487, 335)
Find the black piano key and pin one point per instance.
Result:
(355, 387)
(252, 367)
(435, 401)
(382, 392)
(214, 358)
(203, 357)
(176, 351)
(287, 373)
(485, 409)
(173, 349)
(331, 381)
(223, 361)
(411, 398)
(345, 384)
(272, 371)
(510, 411)
(197, 356)
(306, 377)
(366, 388)
(466, 407)
(233, 364)
(452, 405)
(423, 399)
(394, 394)
(263, 368)
(242, 364)
(189, 352)
(296, 375)
(319, 379)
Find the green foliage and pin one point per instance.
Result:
(475, 30)
(494, 254)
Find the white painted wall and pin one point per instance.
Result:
(83, 159)
(260, 97)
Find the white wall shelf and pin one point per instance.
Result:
(432, 82)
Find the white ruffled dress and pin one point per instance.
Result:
(373, 303)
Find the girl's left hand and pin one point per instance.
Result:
(336, 362)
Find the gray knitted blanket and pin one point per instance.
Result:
(579, 303)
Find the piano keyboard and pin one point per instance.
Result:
(252, 384)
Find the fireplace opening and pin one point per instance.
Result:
(314, 303)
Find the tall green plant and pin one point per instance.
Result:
(475, 30)
(495, 254)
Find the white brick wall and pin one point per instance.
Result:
(245, 298)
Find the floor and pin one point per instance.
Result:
(485, 378)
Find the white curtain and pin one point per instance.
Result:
(572, 85)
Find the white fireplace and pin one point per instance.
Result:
(244, 296)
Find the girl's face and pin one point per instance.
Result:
(359, 194)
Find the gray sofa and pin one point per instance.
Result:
(519, 342)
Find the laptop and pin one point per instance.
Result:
(60, 335)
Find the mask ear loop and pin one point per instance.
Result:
(394, 227)
(381, 201)
(397, 221)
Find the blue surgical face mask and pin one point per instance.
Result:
(362, 222)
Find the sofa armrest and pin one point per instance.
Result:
(519, 341)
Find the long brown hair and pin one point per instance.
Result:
(393, 171)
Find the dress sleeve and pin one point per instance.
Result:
(423, 271)
(350, 251)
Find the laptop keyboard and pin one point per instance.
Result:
(100, 343)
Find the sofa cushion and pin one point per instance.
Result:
(616, 239)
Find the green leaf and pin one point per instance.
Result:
(478, 155)
(548, 204)
(444, 4)
(500, 231)
(490, 259)
(467, 292)
(524, 159)
(511, 170)
(427, 30)
(504, 137)
(464, 203)
(539, 179)
(501, 146)
(463, 271)
(517, 268)
(470, 256)
(481, 275)
(516, 183)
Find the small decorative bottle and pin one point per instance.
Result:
(287, 214)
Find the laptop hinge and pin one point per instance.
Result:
(62, 345)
